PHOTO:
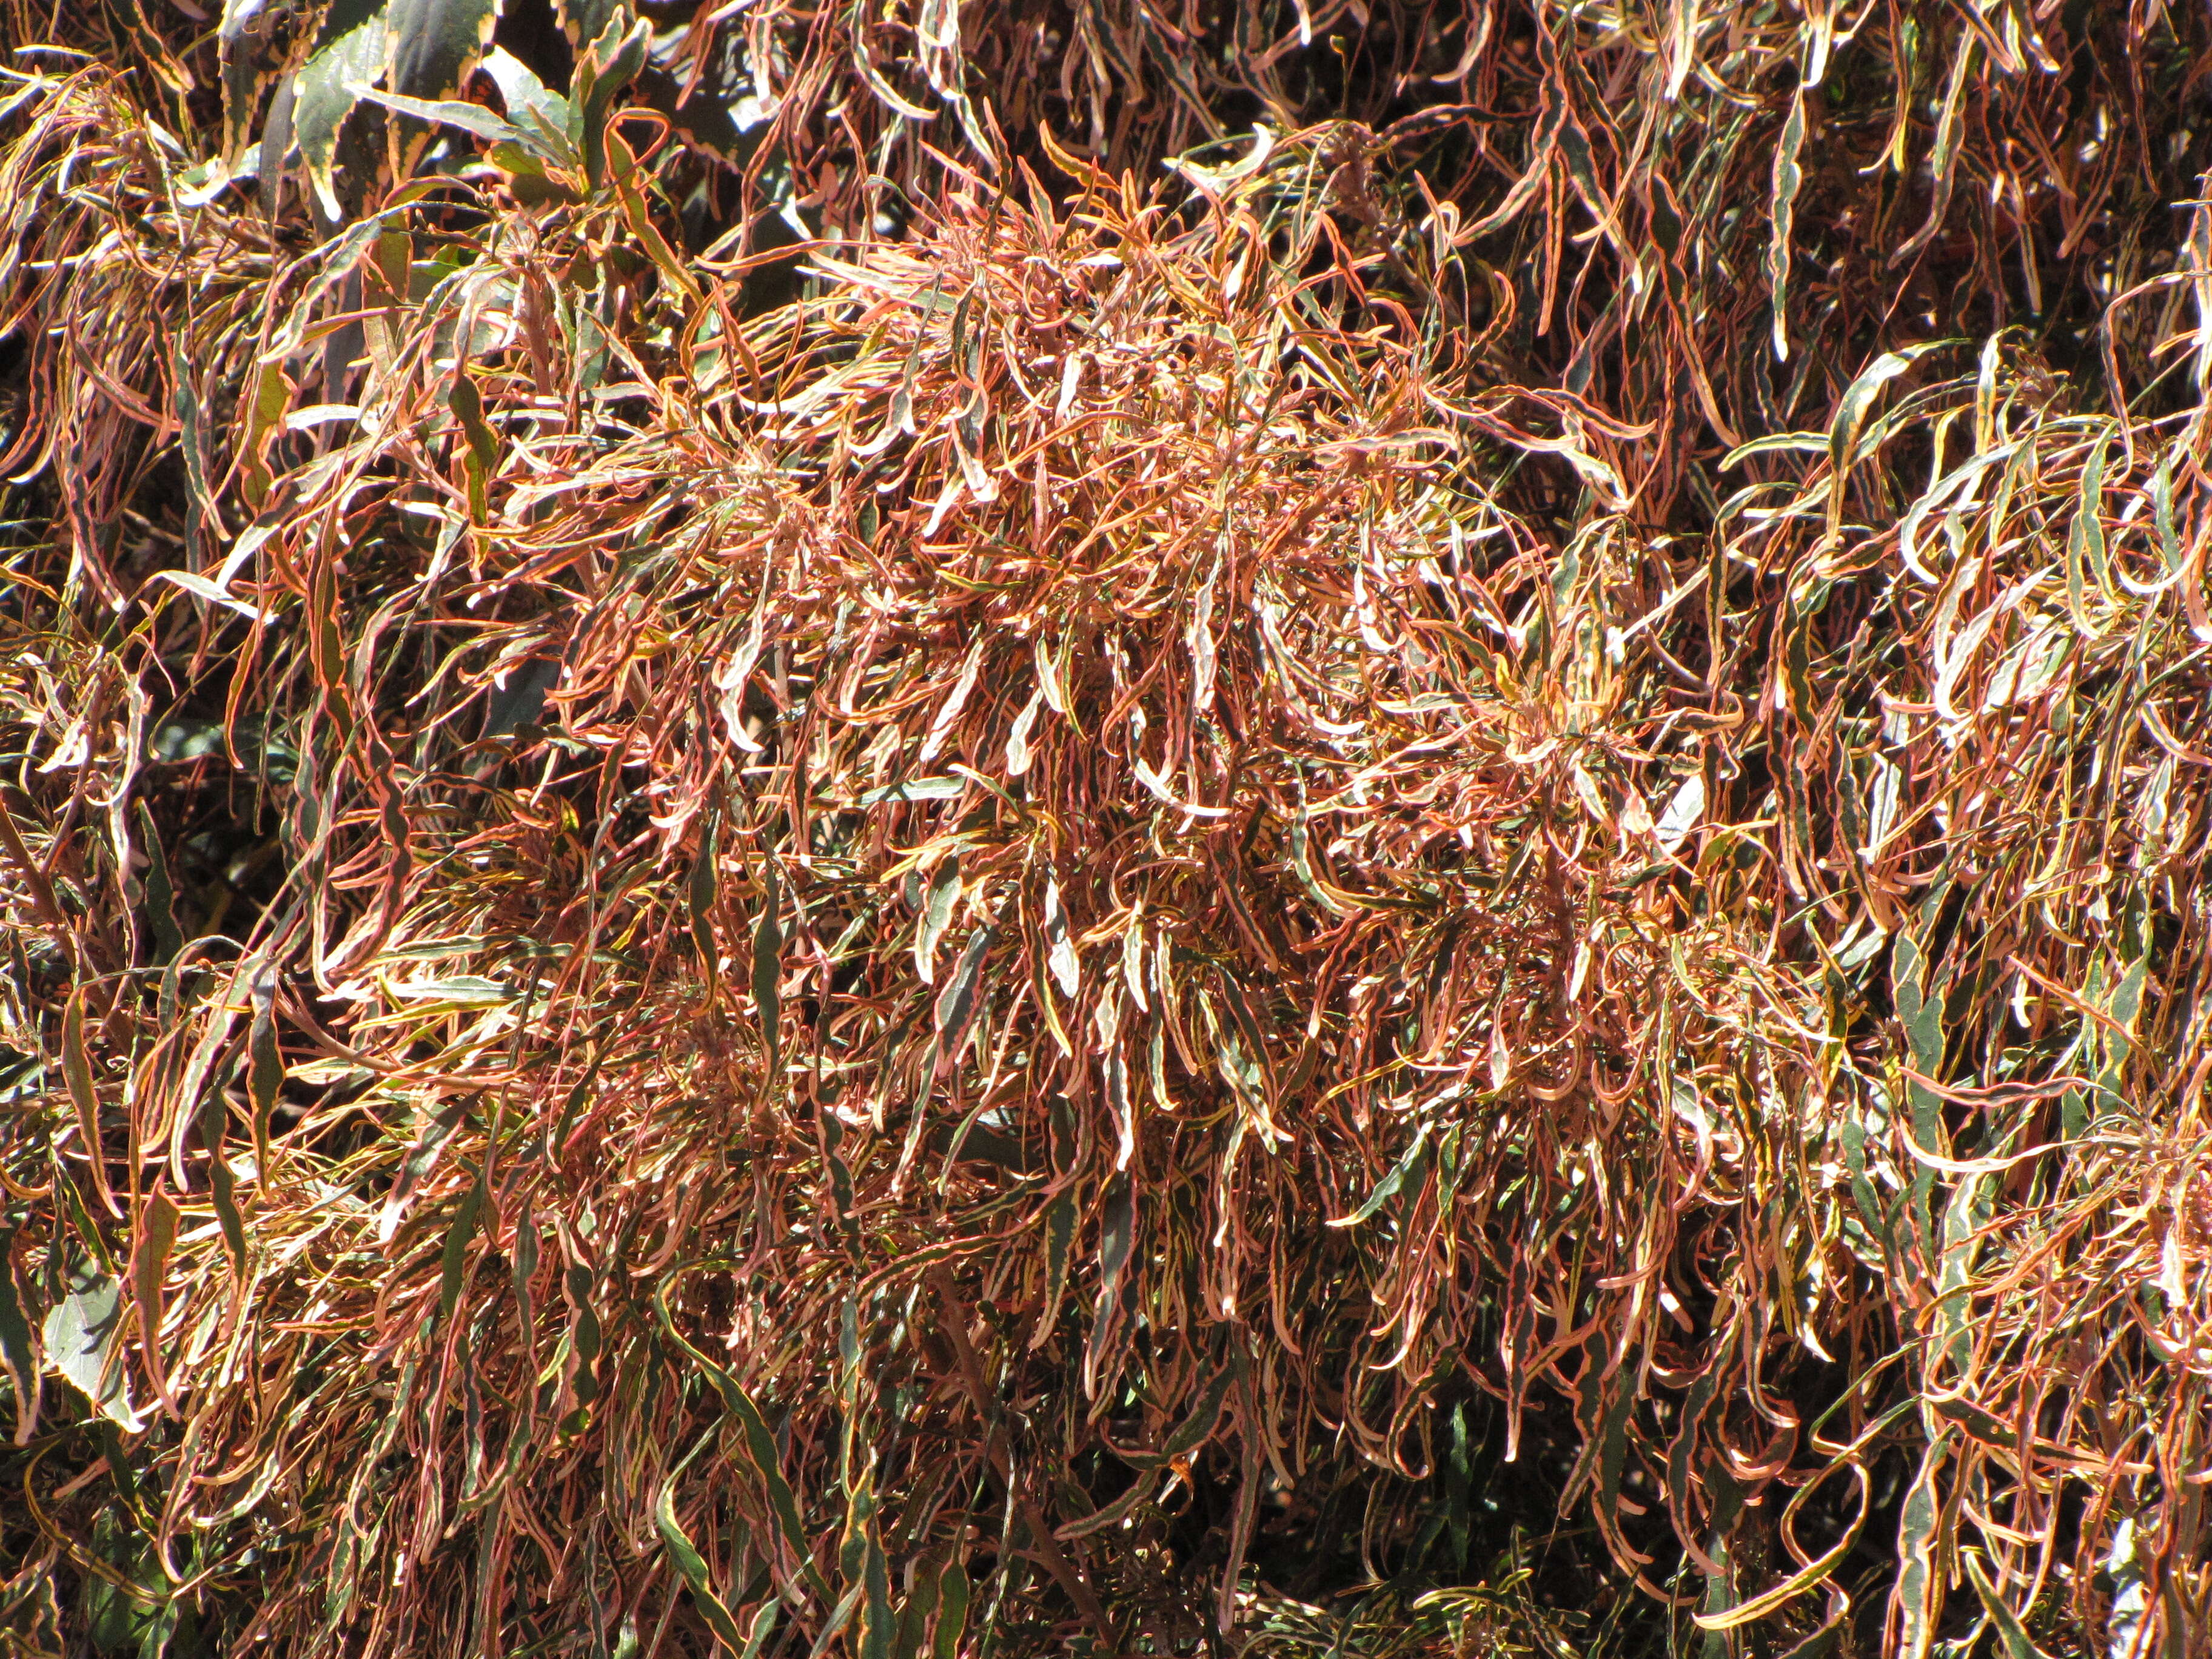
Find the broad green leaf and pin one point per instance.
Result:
(2084, 538)
(1110, 1515)
(265, 1063)
(349, 50)
(223, 1184)
(585, 1336)
(763, 1627)
(541, 114)
(466, 401)
(1806, 1577)
(460, 991)
(1853, 410)
(448, 111)
(1060, 1236)
(1192, 1431)
(1920, 1012)
(164, 937)
(274, 145)
(83, 1338)
(1964, 1217)
(434, 44)
(915, 1614)
(2124, 1565)
(1779, 443)
(632, 186)
(585, 21)
(879, 1628)
(1117, 1235)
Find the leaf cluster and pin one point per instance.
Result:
(1296, 829)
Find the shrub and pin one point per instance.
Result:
(1423, 887)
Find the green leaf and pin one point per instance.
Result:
(2010, 1632)
(436, 43)
(538, 113)
(690, 1562)
(453, 1266)
(1920, 1012)
(1191, 1431)
(768, 967)
(1813, 1572)
(1919, 1584)
(349, 50)
(1060, 1235)
(83, 1338)
(266, 1064)
(459, 991)
(917, 789)
(2085, 537)
(1852, 411)
(610, 64)
(159, 895)
(915, 1616)
(149, 1260)
(879, 1629)
(76, 1070)
(1972, 1201)
(759, 1453)
(587, 20)
(1117, 1236)
(1781, 207)
(243, 35)
(955, 1003)
(951, 1611)
(1110, 1515)
(447, 111)
(17, 1355)
(1408, 1169)
(222, 1185)
(936, 917)
(703, 887)
(584, 1340)
(1066, 967)
(1790, 443)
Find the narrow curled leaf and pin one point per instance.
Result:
(693, 1567)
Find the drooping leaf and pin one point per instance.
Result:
(693, 1567)
(18, 1357)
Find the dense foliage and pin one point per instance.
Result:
(980, 828)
